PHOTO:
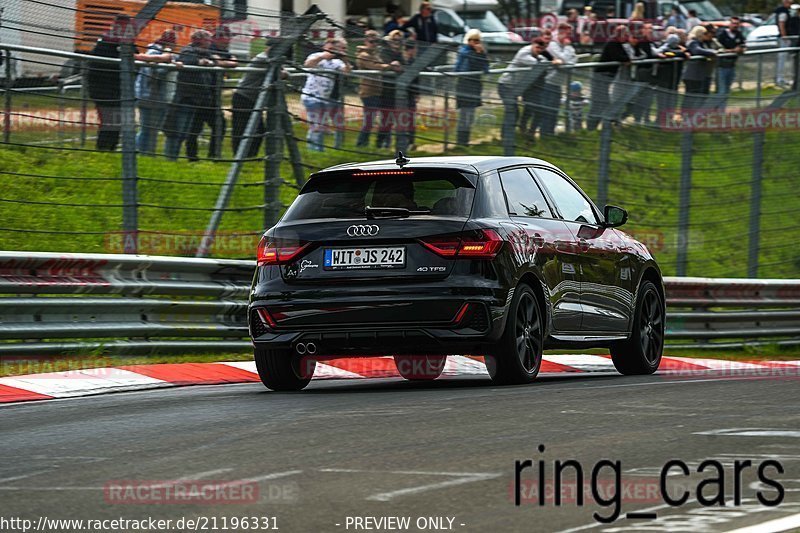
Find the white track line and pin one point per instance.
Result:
(82, 382)
(773, 526)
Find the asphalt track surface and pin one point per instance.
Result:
(386, 447)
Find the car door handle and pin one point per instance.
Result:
(584, 244)
(538, 240)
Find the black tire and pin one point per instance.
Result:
(519, 354)
(282, 370)
(420, 367)
(641, 353)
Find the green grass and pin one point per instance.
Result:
(645, 176)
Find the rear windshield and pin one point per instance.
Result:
(346, 196)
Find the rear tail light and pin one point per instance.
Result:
(266, 318)
(479, 244)
(278, 252)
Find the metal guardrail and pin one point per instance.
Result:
(65, 303)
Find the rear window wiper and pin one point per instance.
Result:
(400, 212)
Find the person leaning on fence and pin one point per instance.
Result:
(508, 84)
(732, 42)
(527, 56)
(151, 92)
(788, 21)
(563, 53)
(213, 115)
(369, 89)
(668, 74)
(244, 101)
(317, 91)
(638, 49)
(698, 70)
(103, 81)
(391, 53)
(603, 76)
(471, 58)
(193, 92)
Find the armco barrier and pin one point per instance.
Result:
(66, 303)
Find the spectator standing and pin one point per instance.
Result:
(603, 76)
(676, 18)
(423, 24)
(789, 29)
(244, 101)
(563, 54)
(526, 56)
(151, 92)
(393, 21)
(409, 117)
(733, 42)
(103, 80)
(369, 90)
(668, 74)
(392, 54)
(638, 12)
(698, 69)
(212, 115)
(576, 103)
(319, 87)
(693, 20)
(640, 48)
(533, 98)
(471, 58)
(191, 94)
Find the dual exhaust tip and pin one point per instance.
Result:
(305, 348)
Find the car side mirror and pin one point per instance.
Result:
(614, 216)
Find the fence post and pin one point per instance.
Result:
(84, 102)
(273, 140)
(758, 80)
(9, 85)
(127, 122)
(754, 243)
(604, 164)
(446, 82)
(683, 202)
(288, 131)
(338, 119)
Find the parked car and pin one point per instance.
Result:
(764, 36)
(495, 256)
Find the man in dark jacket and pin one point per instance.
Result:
(423, 24)
(193, 92)
(104, 83)
(732, 41)
(213, 116)
(603, 75)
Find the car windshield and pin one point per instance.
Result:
(705, 10)
(412, 193)
(486, 21)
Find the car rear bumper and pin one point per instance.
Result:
(380, 321)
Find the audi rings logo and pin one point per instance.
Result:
(363, 230)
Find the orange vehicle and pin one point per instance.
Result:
(94, 17)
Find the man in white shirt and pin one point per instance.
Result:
(563, 54)
(319, 87)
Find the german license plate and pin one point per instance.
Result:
(364, 258)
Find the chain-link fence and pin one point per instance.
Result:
(168, 148)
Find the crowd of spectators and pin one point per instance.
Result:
(180, 102)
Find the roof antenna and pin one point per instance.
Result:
(401, 160)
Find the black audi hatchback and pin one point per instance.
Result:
(495, 256)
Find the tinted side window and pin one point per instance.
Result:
(570, 201)
(523, 195)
